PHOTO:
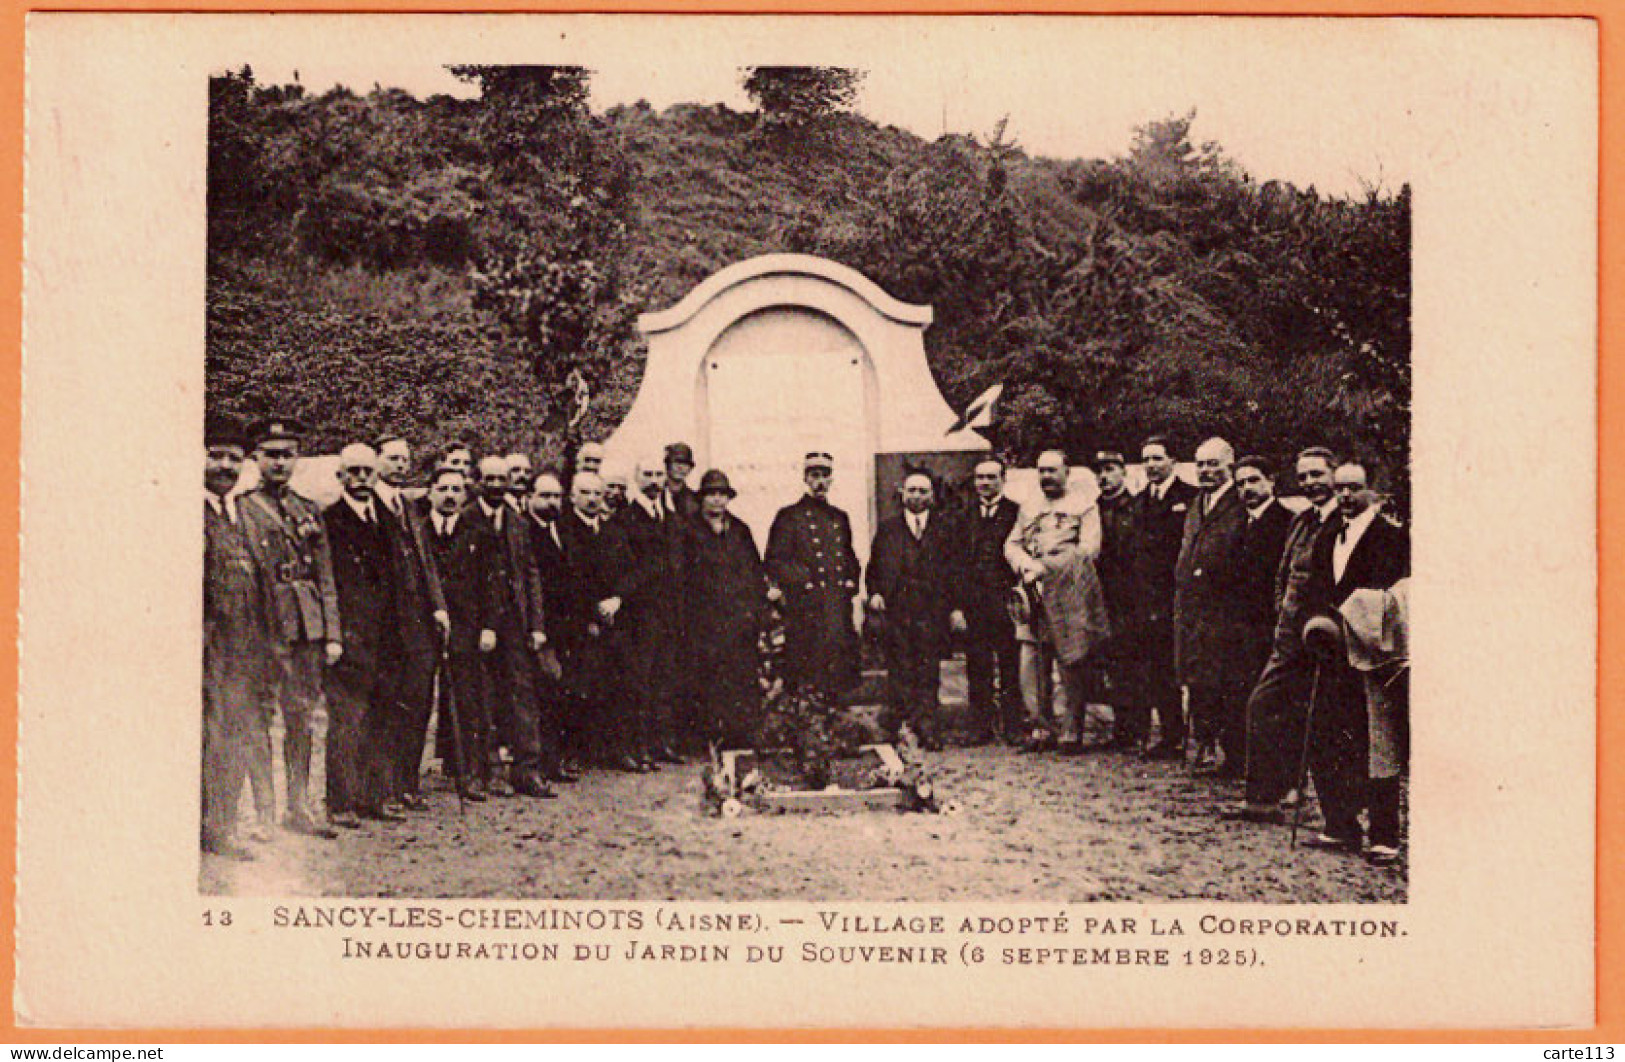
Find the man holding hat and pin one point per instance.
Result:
(680, 499)
(303, 605)
(815, 570)
(236, 652)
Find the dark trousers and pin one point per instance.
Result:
(228, 723)
(1276, 711)
(510, 689)
(463, 703)
(650, 665)
(1123, 687)
(361, 723)
(913, 678)
(414, 696)
(1160, 682)
(993, 669)
(1338, 750)
(1219, 717)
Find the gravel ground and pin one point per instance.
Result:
(1034, 828)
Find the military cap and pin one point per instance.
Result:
(1107, 457)
(818, 459)
(268, 429)
(221, 430)
(679, 451)
(715, 481)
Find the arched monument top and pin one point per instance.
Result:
(777, 265)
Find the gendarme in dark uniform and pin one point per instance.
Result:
(811, 560)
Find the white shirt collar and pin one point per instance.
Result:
(444, 524)
(1327, 510)
(1254, 514)
(223, 506)
(389, 496)
(650, 506)
(1213, 499)
(363, 511)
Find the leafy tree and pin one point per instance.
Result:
(795, 96)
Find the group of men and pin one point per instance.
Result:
(575, 625)
(1258, 637)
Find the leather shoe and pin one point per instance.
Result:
(530, 784)
(1260, 813)
(1381, 855)
(628, 764)
(499, 787)
(349, 820)
(386, 813)
(564, 777)
(229, 850)
(413, 802)
(1327, 843)
(474, 793)
(301, 823)
(666, 755)
(1163, 750)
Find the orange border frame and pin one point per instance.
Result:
(1610, 881)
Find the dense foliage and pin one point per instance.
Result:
(473, 267)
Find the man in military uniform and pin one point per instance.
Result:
(815, 571)
(287, 531)
(1131, 719)
(236, 653)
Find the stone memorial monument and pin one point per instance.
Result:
(779, 355)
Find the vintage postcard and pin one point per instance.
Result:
(808, 521)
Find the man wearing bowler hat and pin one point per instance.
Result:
(815, 571)
(288, 532)
(680, 499)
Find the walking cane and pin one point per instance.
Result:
(1302, 778)
(1321, 637)
(449, 701)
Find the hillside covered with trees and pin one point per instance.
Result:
(472, 267)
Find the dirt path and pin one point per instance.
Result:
(1034, 828)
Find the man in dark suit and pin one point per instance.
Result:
(1209, 621)
(915, 584)
(680, 498)
(512, 674)
(1262, 540)
(1277, 706)
(1124, 687)
(556, 714)
(992, 657)
(1159, 522)
(362, 708)
(650, 626)
(593, 556)
(815, 574)
(425, 622)
(1360, 550)
(465, 554)
(236, 644)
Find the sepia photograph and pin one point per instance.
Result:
(748, 498)
(892, 521)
